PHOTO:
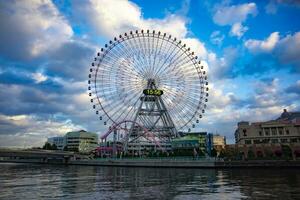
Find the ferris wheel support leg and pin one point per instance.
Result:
(168, 118)
(132, 126)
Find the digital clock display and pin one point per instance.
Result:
(154, 92)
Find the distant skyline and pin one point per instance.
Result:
(252, 49)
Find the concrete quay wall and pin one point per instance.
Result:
(259, 164)
(148, 163)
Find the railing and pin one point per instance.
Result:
(177, 158)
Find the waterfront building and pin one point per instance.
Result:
(219, 142)
(190, 141)
(144, 145)
(215, 141)
(283, 130)
(81, 141)
(59, 142)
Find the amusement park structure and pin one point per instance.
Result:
(147, 86)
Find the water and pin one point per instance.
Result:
(28, 181)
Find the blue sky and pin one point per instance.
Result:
(252, 49)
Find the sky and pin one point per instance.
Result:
(252, 49)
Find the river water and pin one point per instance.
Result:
(29, 181)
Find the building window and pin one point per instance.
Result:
(256, 141)
(294, 140)
(244, 131)
(274, 140)
(265, 141)
(260, 133)
(287, 132)
(247, 141)
(280, 130)
(267, 132)
(274, 132)
(284, 140)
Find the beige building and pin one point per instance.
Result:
(81, 141)
(219, 141)
(284, 130)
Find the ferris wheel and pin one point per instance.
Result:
(151, 78)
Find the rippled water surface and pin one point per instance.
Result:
(27, 181)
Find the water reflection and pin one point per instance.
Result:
(24, 181)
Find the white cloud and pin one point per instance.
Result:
(219, 67)
(238, 30)
(217, 38)
(273, 5)
(29, 130)
(196, 46)
(267, 45)
(36, 26)
(39, 77)
(111, 18)
(286, 49)
(229, 15)
(234, 16)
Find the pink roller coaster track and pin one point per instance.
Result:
(147, 134)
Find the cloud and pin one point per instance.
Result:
(217, 38)
(234, 16)
(229, 15)
(69, 59)
(238, 30)
(269, 94)
(272, 6)
(111, 18)
(31, 130)
(222, 67)
(286, 50)
(197, 46)
(36, 26)
(259, 46)
(295, 88)
(39, 77)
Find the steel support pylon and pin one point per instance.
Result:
(154, 116)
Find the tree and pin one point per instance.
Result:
(222, 153)
(213, 152)
(65, 148)
(286, 150)
(201, 152)
(47, 146)
(53, 147)
(251, 154)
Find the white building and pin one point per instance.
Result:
(60, 142)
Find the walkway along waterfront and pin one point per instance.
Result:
(69, 158)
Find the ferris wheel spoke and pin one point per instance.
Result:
(144, 43)
(157, 52)
(133, 107)
(132, 74)
(173, 64)
(114, 109)
(172, 57)
(127, 52)
(142, 52)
